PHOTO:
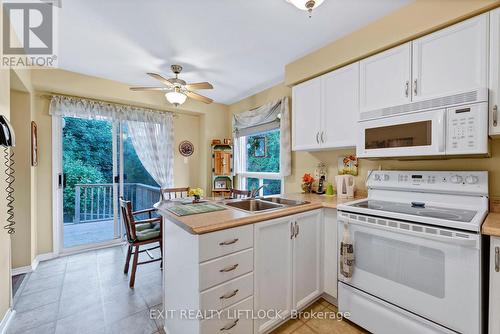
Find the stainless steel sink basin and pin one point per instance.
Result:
(284, 201)
(263, 204)
(254, 205)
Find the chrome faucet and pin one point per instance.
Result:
(253, 193)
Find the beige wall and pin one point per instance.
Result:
(20, 120)
(195, 122)
(416, 19)
(5, 240)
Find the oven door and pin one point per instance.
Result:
(417, 134)
(428, 271)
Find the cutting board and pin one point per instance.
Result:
(193, 209)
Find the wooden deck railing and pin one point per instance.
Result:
(94, 202)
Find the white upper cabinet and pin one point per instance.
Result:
(385, 79)
(494, 72)
(325, 110)
(306, 111)
(452, 60)
(340, 93)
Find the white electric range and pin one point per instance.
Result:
(417, 248)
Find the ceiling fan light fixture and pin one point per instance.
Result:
(307, 5)
(176, 97)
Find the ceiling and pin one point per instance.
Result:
(240, 46)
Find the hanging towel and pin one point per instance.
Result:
(346, 254)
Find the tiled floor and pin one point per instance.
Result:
(88, 293)
(318, 319)
(88, 233)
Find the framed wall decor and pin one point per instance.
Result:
(220, 184)
(34, 144)
(186, 148)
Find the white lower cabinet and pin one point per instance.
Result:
(330, 252)
(494, 321)
(252, 276)
(288, 267)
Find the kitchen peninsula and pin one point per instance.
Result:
(237, 261)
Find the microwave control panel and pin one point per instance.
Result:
(467, 130)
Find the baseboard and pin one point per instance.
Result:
(4, 325)
(34, 264)
(46, 256)
(330, 299)
(21, 270)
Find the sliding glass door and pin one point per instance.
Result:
(137, 184)
(96, 164)
(89, 192)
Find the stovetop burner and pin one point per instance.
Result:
(427, 211)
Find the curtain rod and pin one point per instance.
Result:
(50, 95)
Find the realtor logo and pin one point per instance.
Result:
(28, 34)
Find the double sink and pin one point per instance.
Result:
(254, 205)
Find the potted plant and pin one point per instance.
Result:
(196, 193)
(307, 181)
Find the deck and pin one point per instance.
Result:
(88, 233)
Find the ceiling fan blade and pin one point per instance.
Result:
(148, 88)
(199, 97)
(199, 85)
(161, 79)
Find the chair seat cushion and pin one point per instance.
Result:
(152, 232)
(142, 227)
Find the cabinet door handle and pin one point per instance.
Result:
(407, 88)
(226, 328)
(322, 139)
(227, 243)
(415, 89)
(292, 230)
(317, 137)
(228, 269)
(497, 259)
(495, 115)
(231, 295)
(296, 230)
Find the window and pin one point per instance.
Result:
(261, 162)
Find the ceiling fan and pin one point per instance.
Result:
(177, 89)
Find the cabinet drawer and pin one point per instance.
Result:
(224, 242)
(222, 296)
(225, 268)
(234, 320)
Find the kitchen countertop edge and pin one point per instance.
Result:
(314, 202)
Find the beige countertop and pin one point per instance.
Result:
(221, 220)
(491, 225)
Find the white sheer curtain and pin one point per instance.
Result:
(153, 143)
(270, 116)
(151, 131)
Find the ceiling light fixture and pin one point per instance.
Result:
(307, 5)
(176, 97)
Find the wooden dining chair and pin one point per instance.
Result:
(236, 193)
(168, 194)
(139, 234)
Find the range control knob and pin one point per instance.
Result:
(386, 177)
(472, 179)
(377, 177)
(456, 179)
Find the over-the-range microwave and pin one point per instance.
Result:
(454, 125)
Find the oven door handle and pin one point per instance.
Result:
(451, 240)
